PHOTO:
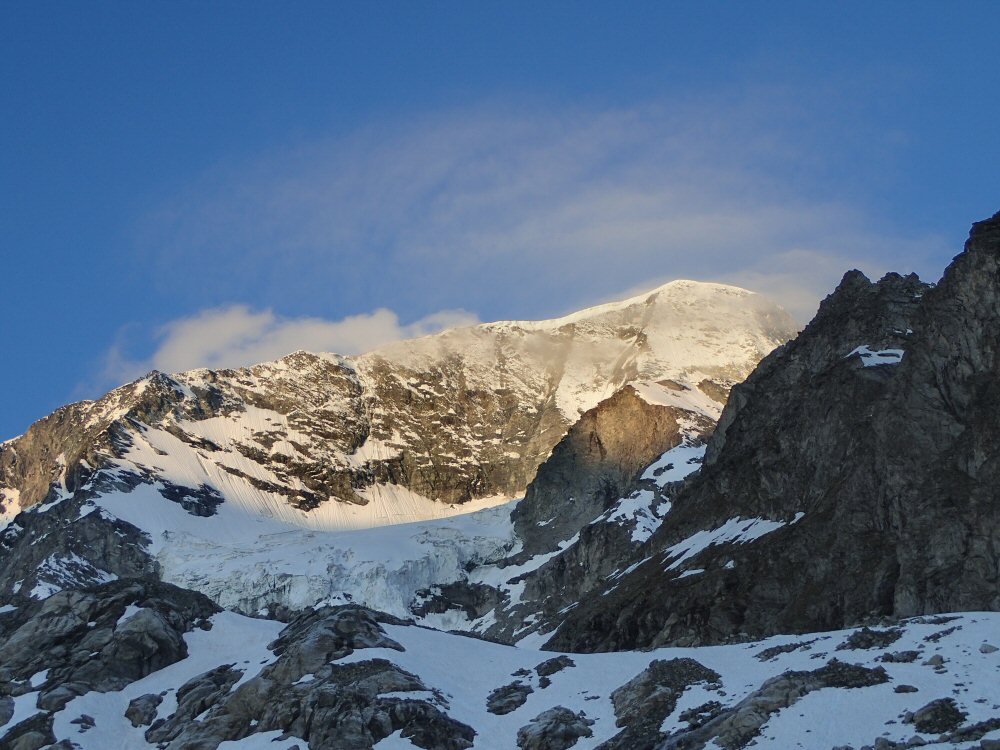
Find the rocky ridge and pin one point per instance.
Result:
(398, 434)
(852, 476)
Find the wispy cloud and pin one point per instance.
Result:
(518, 212)
(236, 336)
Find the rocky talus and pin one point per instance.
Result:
(305, 693)
(97, 640)
(853, 475)
(106, 638)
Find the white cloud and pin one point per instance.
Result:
(235, 336)
(515, 213)
(532, 212)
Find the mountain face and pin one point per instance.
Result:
(606, 487)
(854, 475)
(264, 467)
(333, 442)
(188, 572)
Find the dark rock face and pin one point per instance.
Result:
(893, 467)
(35, 638)
(562, 582)
(593, 465)
(61, 548)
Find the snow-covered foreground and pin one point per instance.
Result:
(955, 659)
(817, 720)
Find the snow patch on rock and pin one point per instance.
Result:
(874, 357)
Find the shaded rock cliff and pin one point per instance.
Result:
(854, 475)
(602, 492)
(597, 461)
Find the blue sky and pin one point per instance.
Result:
(193, 184)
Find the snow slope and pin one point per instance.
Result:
(953, 659)
(685, 330)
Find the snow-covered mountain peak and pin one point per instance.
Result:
(677, 293)
(684, 330)
(326, 441)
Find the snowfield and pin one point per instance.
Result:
(464, 671)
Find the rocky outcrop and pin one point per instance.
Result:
(69, 547)
(141, 711)
(100, 640)
(557, 728)
(736, 727)
(937, 717)
(120, 632)
(106, 638)
(647, 699)
(306, 693)
(316, 637)
(869, 638)
(473, 599)
(597, 461)
(865, 447)
(508, 698)
(554, 665)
